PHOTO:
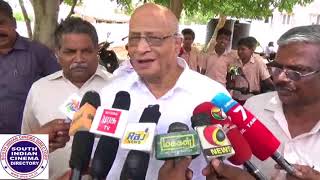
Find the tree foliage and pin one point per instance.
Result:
(251, 9)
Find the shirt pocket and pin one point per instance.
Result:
(20, 82)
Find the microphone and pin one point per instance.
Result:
(80, 153)
(241, 147)
(178, 142)
(107, 148)
(112, 121)
(70, 106)
(213, 139)
(83, 118)
(262, 142)
(139, 138)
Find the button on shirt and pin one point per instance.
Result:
(302, 149)
(42, 106)
(176, 105)
(24, 64)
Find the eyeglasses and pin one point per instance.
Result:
(151, 40)
(291, 74)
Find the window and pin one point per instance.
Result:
(314, 18)
(287, 19)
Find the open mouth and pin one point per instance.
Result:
(145, 61)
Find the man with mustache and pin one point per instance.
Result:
(292, 112)
(76, 43)
(22, 62)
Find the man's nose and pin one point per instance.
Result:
(283, 76)
(79, 57)
(143, 45)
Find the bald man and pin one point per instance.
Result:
(159, 77)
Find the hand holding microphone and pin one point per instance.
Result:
(218, 170)
(172, 170)
(57, 131)
(241, 147)
(262, 142)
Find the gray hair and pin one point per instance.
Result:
(75, 25)
(309, 34)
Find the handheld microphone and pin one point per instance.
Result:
(213, 139)
(107, 148)
(80, 153)
(112, 121)
(241, 147)
(262, 142)
(139, 138)
(70, 106)
(83, 118)
(179, 142)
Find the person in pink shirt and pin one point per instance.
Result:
(253, 71)
(188, 52)
(216, 62)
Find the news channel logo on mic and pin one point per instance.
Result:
(24, 156)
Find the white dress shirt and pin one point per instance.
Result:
(176, 105)
(42, 106)
(302, 149)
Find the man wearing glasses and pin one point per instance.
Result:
(292, 113)
(159, 77)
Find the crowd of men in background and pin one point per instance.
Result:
(243, 72)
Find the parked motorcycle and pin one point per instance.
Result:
(108, 58)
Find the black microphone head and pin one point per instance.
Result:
(91, 97)
(81, 150)
(150, 114)
(177, 127)
(136, 166)
(122, 100)
(201, 119)
(104, 157)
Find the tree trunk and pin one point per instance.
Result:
(26, 18)
(74, 3)
(46, 15)
(176, 7)
(210, 46)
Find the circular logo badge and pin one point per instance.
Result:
(218, 114)
(24, 156)
(214, 135)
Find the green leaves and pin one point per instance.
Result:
(251, 9)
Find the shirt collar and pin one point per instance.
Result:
(101, 72)
(252, 60)
(182, 82)
(275, 105)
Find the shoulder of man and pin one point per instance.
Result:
(202, 83)
(258, 102)
(45, 80)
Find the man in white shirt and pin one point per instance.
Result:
(76, 48)
(160, 77)
(292, 113)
